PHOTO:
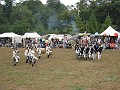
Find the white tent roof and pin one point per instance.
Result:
(9, 34)
(31, 35)
(110, 31)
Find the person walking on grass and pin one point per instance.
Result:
(15, 56)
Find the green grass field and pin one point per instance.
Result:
(62, 71)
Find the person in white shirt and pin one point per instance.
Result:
(39, 51)
(34, 59)
(26, 53)
(48, 50)
(15, 56)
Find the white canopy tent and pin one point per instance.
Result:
(15, 37)
(51, 36)
(110, 31)
(8, 34)
(31, 35)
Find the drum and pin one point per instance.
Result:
(42, 50)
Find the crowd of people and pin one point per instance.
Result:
(85, 47)
(91, 48)
(25, 42)
(107, 42)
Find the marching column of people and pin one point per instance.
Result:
(30, 54)
(88, 51)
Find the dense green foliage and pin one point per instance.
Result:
(54, 17)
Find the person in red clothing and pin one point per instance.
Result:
(112, 40)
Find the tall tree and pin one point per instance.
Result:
(56, 6)
(56, 9)
(7, 8)
(80, 24)
(40, 28)
(93, 25)
(107, 23)
(20, 26)
(41, 16)
(114, 12)
(33, 5)
(2, 19)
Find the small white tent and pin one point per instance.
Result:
(9, 34)
(15, 37)
(31, 35)
(110, 31)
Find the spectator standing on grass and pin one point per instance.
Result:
(64, 42)
(41, 41)
(51, 43)
(99, 40)
(57, 42)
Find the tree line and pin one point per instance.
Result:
(54, 17)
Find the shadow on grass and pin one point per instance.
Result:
(78, 88)
(112, 78)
